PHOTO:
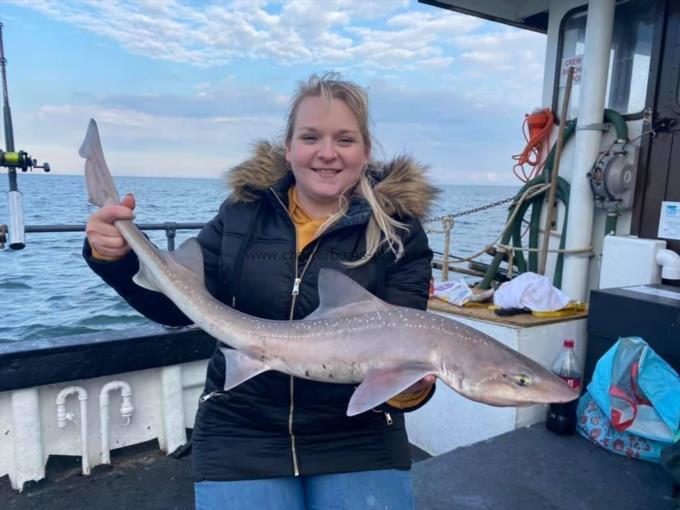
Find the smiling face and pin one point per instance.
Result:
(327, 153)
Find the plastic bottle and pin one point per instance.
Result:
(562, 417)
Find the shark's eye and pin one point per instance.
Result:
(522, 380)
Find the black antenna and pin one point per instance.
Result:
(11, 159)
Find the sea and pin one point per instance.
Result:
(47, 290)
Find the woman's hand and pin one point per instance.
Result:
(426, 382)
(103, 237)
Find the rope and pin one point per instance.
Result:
(531, 155)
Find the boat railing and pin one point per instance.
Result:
(441, 261)
(170, 228)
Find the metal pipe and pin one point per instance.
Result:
(126, 409)
(170, 232)
(599, 26)
(63, 417)
(44, 229)
(16, 230)
(170, 228)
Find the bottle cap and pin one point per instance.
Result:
(569, 344)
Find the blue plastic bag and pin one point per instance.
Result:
(638, 394)
(637, 390)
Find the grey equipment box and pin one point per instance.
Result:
(651, 312)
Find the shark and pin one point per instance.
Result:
(352, 337)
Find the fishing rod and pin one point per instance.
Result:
(11, 160)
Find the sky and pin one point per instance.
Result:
(185, 88)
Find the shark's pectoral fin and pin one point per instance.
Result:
(144, 278)
(379, 386)
(240, 367)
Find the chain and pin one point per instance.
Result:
(471, 211)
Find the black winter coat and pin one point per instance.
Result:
(276, 425)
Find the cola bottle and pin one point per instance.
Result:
(562, 417)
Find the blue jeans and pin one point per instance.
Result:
(386, 489)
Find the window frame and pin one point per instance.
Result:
(558, 64)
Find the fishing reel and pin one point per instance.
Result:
(20, 160)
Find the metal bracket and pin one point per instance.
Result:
(170, 234)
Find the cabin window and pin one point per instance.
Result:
(629, 57)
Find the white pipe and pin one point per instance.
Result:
(670, 264)
(63, 417)
(599, 26)
(126, 409)
(29, 462)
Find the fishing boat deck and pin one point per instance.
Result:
(525, 469)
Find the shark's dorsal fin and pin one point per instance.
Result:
(189, 256)
(100, 186)
(340, 296)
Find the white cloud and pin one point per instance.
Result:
(502, 66)
(503, 50)
(367, 35)
(287, 31)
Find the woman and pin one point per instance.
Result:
(276, 441)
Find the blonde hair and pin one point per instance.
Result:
(382, 228)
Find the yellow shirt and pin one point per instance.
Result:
(306, 228)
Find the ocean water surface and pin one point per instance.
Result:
(46, 289)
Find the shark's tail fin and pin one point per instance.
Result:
(100, 186)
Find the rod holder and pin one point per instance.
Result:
(16, 220)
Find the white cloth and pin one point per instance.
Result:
(532, 291)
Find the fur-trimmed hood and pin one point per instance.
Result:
(401, 185)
